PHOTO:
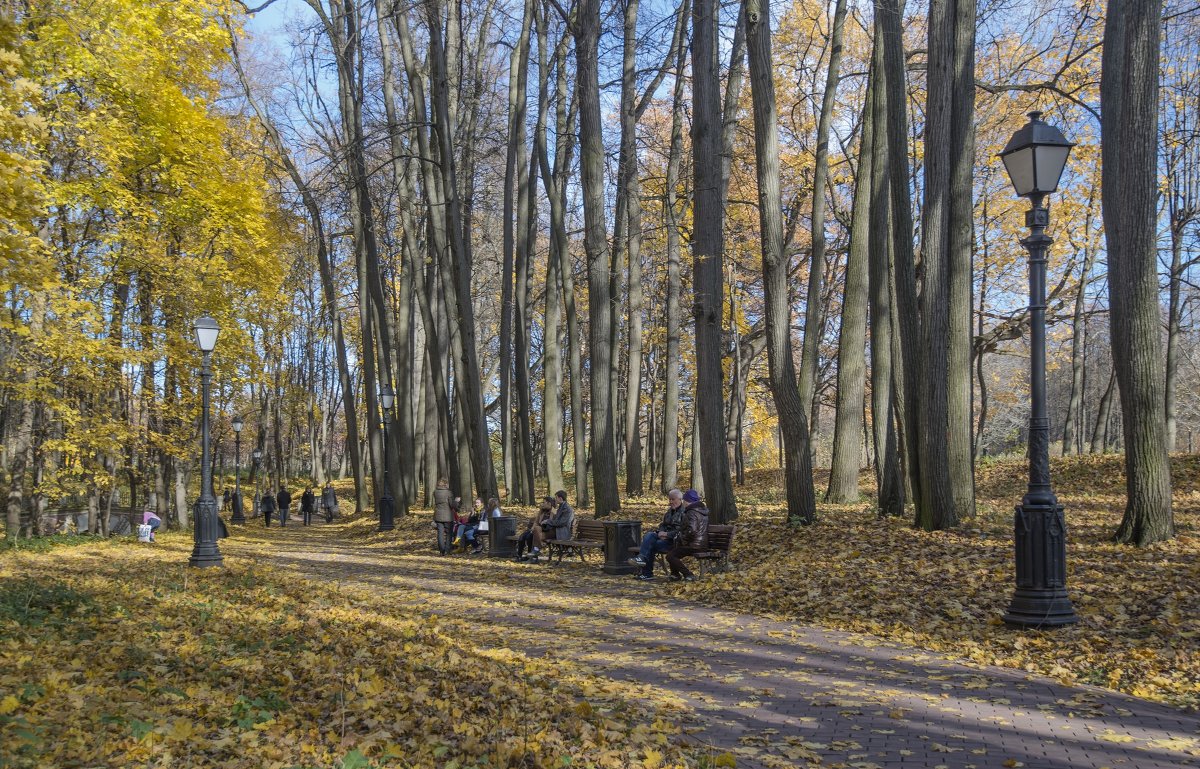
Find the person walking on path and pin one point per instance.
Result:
(308, 503)
(284, 498)
(443, 518)
(662, 538)
(268, 507)
(225, 498)
(329, 502)
(693, 536)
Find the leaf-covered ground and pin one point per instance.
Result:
(1139, 609)
(117, 655)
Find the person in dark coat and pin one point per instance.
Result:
(284, 498)
(329, 502)
(308, 504)
(225, 498)
(693, 536)
(267, 505)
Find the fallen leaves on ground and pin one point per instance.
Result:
(1139, 609)
(118, 655)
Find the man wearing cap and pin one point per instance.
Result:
(662, 538)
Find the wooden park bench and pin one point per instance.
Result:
(588, 534)
(720, 540)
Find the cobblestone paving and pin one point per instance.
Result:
(774, 694)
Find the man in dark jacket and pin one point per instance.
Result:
(308, 504)
(267, 505)
(693, 536)
(662, 538)
(284, 498)
(563, 518)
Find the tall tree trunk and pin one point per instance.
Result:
(19, 450)
(881, 284)
(670, 435)
(906, 315)
(1073, 423)
(813, 321)
(707, 261)
(552, 389)
(935, 505)
(518, 68)
(1129, 130)
(801, 500)
(852, 339)
(591, 148)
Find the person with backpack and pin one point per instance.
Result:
(267, 505)
(693, 536)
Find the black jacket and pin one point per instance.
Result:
(284, 498)
(268, 503)
(672, 520)
(308, 502)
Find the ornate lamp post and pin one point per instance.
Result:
(1034, 158)
(387, 506)
(257, 456)
(239, 515)
(204, 515)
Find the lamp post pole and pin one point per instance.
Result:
(205, 552)
(239, 515)
(1035, 158)
(387, 506)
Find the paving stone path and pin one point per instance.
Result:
(774, 694)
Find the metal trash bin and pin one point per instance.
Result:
(499, 531)
(619, 536)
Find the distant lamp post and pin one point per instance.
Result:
(387, 506)
(257, 456)
(239, 515)
(204, 518)
(1034, 158)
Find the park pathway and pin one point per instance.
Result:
(774, 694)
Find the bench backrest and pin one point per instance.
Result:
(720, 537)
(589, 530)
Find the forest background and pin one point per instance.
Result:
(620, 245)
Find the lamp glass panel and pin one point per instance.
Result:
(1019, 165)
(206, 333)
(238, 424)
(1050, 163)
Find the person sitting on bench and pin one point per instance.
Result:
(534, 533)
(693, 536)
(662, 538)
(563, 518)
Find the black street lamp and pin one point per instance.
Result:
(257, 456)
(1034, 158)
(387, 506)
(204, 516)
(239, 515)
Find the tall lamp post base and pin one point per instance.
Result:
(205, 552)
(387, 513)
(1040, 598)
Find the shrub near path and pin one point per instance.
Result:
(114, 654)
